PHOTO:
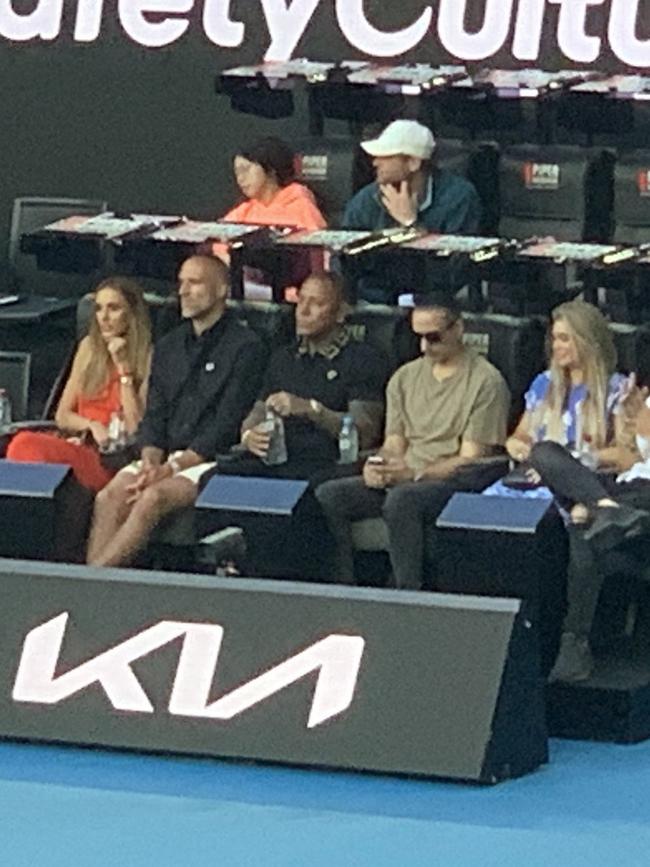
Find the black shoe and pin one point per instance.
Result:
(613, 525)
(574, 660)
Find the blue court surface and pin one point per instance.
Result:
(67, 806)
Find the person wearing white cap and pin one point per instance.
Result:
(410, 191)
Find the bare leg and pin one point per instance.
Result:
(149, 509)
(110, 512)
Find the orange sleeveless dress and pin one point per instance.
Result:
(83, 458)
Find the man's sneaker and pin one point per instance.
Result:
(574, 661)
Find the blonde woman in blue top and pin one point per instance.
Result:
(579, 416)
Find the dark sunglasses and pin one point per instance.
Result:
(433, 337)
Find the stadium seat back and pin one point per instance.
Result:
(543, 191)
(515, 345)
(632, 197)
(34, 212)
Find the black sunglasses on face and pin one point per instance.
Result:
(433, 337)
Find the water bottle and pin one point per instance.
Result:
(5, 408)
(274, 426)
(348, 441)
(116, 432)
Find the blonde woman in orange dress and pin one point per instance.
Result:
(109, 375)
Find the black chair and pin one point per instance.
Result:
(388, 329)
(515, 345)
(544, 191)
(14, 378)
(633, 349)
(479, 163)
(325, 165)
(34, 212)
(632, 197)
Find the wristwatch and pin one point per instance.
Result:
(126, 379)
(316, 406)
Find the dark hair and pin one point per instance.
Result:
(275, 157)
(439, 301)
(330, 279)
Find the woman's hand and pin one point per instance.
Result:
(632, 400)
(99, 432)
(518, 449)
(117, 349)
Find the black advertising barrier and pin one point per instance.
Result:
(390, 681)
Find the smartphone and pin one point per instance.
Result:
(376, 460)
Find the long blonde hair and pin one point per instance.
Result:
(96, 374)
(597, 359)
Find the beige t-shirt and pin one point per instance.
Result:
(434, 417)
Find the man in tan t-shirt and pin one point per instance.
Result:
(444, 412)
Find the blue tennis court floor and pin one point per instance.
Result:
(67, 806)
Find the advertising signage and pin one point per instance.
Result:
(414, 683)
(608, 34)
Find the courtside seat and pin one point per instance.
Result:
(326, 165)
(388, 328)
(272, 322)
(544, 191)
(632, 197)
(479, 163)
(633, 349)
(28, 214)
(513, 344)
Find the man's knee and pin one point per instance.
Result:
(114, 494)
(400, 501)
(332, 496)
(161, 498)
(414, 501)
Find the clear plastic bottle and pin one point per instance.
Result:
(348, 441)
(274, 426)
(5, 409)
(116, 432)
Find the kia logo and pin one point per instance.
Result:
(336, 660)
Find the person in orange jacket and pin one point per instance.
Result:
(266, 175)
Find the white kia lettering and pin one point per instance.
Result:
(336, 659)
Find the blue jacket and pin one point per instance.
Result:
(453, 208)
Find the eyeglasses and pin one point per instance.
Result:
(433, 337)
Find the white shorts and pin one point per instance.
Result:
(192, 474)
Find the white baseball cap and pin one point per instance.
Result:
(404, 137)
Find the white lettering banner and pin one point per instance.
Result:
(549, 33)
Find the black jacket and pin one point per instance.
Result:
(201, 388)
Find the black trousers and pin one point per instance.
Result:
(406, 508)
(572, 483)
